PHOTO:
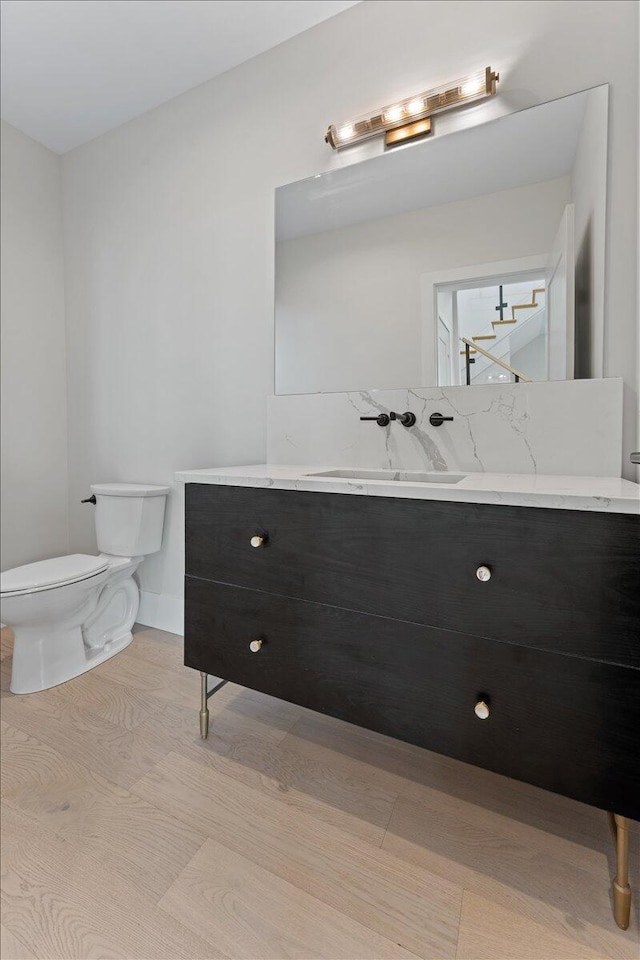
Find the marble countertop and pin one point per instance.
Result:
(603, 494)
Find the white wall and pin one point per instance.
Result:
(34, 434)
(169, 223)
(363, 329)
(532, 358)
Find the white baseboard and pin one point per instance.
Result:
(161, 611)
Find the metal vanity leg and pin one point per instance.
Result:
(620, 885)
(204, 709)
(204, 697)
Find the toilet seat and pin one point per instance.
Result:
(49, 574)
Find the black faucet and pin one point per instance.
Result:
(406, 419)
(383, 419)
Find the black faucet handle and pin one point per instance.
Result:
(382, 419)
(436, 419)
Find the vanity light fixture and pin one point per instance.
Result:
(411, 118)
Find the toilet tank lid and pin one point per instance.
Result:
(129, 490)
(50, 573)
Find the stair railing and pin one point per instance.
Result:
(518, 375)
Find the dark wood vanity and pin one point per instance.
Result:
(503, 636)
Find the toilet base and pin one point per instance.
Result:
(61, 633)
(66, 673)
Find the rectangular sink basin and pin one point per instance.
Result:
(405, 476)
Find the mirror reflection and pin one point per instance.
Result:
(473, 258)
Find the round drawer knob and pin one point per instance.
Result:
(255, 646)
(481, 710)
(257, 541)
(483, 573)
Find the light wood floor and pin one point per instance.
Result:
(285, 835)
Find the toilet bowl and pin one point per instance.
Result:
(69, 614)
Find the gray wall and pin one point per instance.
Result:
(33, 403)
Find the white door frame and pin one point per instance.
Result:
(461, 277)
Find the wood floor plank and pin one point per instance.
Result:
(5, 676)
(6, 642)
(178, 728)
(11, 948)
(169, 685)
(409, 771)
(27, 762)
(63, 903)
(117, 754)
(555, 826)
(255, 915)
(234, 702)
(490, 932)
(527, 829)
(321, 790)
(567, 899)
(122, 706)
(157, 646)
(135, 839)
(408, 906)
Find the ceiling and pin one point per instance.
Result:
(73, 69)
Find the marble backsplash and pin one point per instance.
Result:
(561, 428)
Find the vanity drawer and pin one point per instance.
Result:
(561, 580)
(563, 723)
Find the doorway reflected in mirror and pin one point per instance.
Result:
(504, 319)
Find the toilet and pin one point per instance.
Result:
(69, 614)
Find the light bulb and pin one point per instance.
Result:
(393, 114)
(415, 106)
(472, 87)
(345, 132)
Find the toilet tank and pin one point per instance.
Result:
(129, 518)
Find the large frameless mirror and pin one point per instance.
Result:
(476, 257)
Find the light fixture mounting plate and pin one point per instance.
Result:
(411, 131)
